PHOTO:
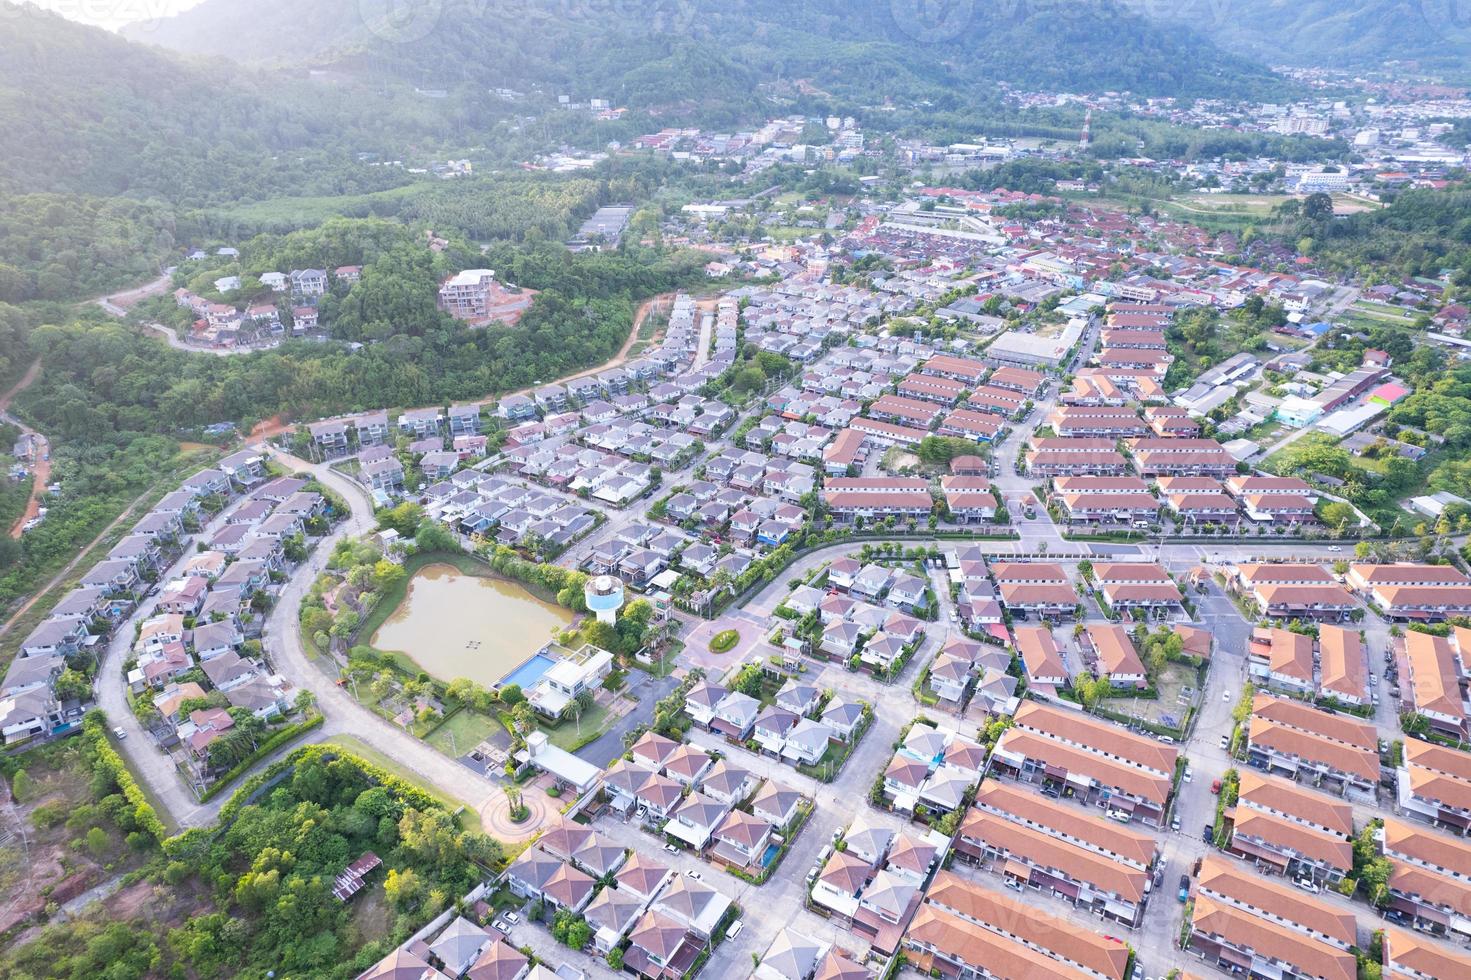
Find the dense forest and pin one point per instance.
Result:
(1330, 32)
(56, 246)
(1420, 234)
(676, 56)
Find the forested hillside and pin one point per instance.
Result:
(1347, 33)
(55, 246)
(106, 383)
(675, 56)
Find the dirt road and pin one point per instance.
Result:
(118, 304)
(647, 307)
(41, 469)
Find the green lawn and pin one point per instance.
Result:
(468, 728)
(565, 735)
(470, 818)
(304, 212)
(1380, 311)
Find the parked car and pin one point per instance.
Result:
(1184, 888)
(1209, 833)
(735, 928)
(1215, 787)
(119, 734)
(1225, 742)
(1307, 884)
(1175, 823)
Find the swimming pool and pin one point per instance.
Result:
(530, 672)
(769, 855)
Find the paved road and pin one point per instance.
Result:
(150, 764)
(707, 331)
(609, 745)
(340, 712)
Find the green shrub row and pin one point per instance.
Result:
(280, 738)
(94, 730)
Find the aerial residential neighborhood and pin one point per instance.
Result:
(800, 491)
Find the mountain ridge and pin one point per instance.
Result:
(898, 47)
(1329, 33)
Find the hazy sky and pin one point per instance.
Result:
(113, 14)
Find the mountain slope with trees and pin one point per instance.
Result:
(667, 55)
(1339, 33)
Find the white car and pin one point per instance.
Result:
(1188, 775)
(694, 875)
(735, 928)
(512, 917)
(1225, 695)
(119, 734)
(671, 848)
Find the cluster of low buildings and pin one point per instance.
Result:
(800, 725)
(869, 611)
(213, 592)
(295, 313)
(933, 771)
(874, 878)
(716, 808)
(509, 512)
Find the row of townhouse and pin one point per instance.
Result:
(1334, 666)
(30, 706)
(1430, 878)
(1409, 592)
(877, 498)
(968, 930)
(1435, 685)
(1129, 776)
(1243, 922)
(1337, 753)
(1294, 591)
(1054, 456)
(1034, 589)
(1284, 829)
(1434, 784)
(1260, 499)
(1035, 842)
(1104, 500)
